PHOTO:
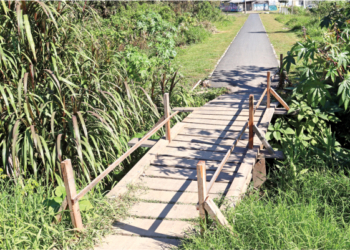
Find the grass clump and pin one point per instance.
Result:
(28, 222)
(312, 211)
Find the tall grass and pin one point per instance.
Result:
(69, 92)
(27, 223)
(310, 210)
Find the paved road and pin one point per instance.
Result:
(250, 56)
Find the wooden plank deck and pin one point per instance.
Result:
(168, 207)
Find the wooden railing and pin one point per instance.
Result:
(68, 176)
(205, 203)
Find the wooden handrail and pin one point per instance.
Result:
(260, 100)
(120, 159)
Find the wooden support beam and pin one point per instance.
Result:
(166, 115)
(263, 140)
(185, 109)
(202, 192)
(283, 111)
(60, 211)
(284, 104)
(259, 173)
(268, 89)
(215, 212)
(69, 183)
(251, 121)
(265, 154)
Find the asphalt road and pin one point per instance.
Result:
(246, 62)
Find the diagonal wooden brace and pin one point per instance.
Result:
(263, 140)
(215, 212)
(284, 104)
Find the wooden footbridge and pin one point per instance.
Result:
(215, 151)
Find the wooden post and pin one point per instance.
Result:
(251, 121)
(166, 115)
(281, 71)
(202, 191)
(268, 89)
(69, 184)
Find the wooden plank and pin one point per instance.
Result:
(139, 167)
(179, 185)
(218, 122)
(180, 141)
(213, 141)
(152, 227)
(185, 109)
(230, 106)
(69, 183)
(236, 96)
(170, 196)
(162, 211)
(112, 242)
(186, 173)
(236, 126)
(191, 163)
(215, 212)
(217, 108)
(202, 193)
(198, 115)
(209, 133)
(205, 140)
(200, 155)
(205, 147)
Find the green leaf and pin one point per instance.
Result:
(85, 205)
(29, 35)
(289, 131)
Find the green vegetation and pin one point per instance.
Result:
(304, 203)
(81, 90)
